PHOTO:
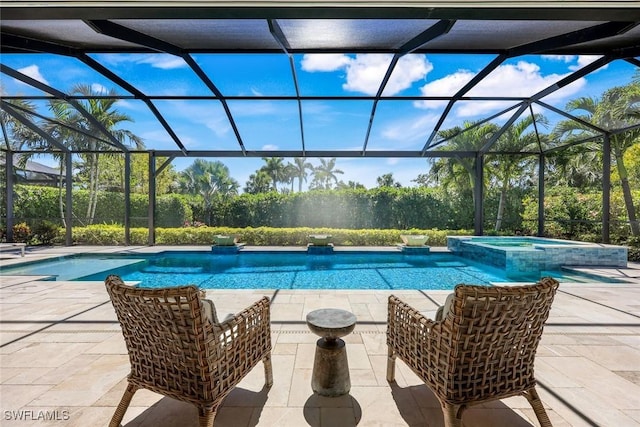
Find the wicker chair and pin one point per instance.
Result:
(178, 350)
(482, 349)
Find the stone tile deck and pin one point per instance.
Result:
(62, 355)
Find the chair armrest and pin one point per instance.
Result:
(241, 341)
(416, 339)
(403, 319)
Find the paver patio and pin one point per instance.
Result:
(62, 355)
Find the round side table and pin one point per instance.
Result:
(330, 367)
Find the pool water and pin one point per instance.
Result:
(520, 241)
(279, 270)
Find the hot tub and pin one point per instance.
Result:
(520, 256)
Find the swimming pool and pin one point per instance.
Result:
(279, 270)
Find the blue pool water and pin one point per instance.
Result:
(504, 241)
(278, 270)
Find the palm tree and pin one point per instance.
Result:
(103, 109)
(325, 173)
(299, 169)
(275, 168)
(210, 180)
(387, 180)
(619, 107)
(205, 177)
(20, 136)
(259, 182)
(351, 185)
(289, 176)
(579, 166)
(459, 172)
(506, 168)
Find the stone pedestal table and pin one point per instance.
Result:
(330, 367)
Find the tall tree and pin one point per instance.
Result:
(209, 180)
(325, 174)
(289, 176)
(352, 185)
(505, 169)
(18, 136)
(618, 108)
(112, 174)
(579, 166)
(275, 168)
(299, 167)
(259, 182)
(387, 180)
(458, 173)
(103, 109)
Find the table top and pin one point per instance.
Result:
(334, 321)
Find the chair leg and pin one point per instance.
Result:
(268, 371)
(123, 405)
(452, 415)
(391, 366)
(206, 416)
(538, 408)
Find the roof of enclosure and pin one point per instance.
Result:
(500, 30)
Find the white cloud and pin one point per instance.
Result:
(269, 147)
(219, 125)
(404, 133)
(410, 69)
(446, 86)
(129, 105)
(584, 60)
(260, 108)
(581, 60)
(163, 61)
(158, 139)
(561, 58)
(470, 108)
(98, 88)
(522, 79)
(201, 113)
(324, 62)
(364, 73)
(33, 71)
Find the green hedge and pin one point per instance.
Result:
(569, 214)
(260, 236)
(33, 204)
(377, 208)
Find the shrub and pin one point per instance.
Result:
(22, 233)
(46, 232)
(634, 249)
(573, 215)
(99, 235)
(258, 236)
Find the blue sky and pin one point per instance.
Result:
(340, 125)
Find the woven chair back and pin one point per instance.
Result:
(166, 336)
(494, 335)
